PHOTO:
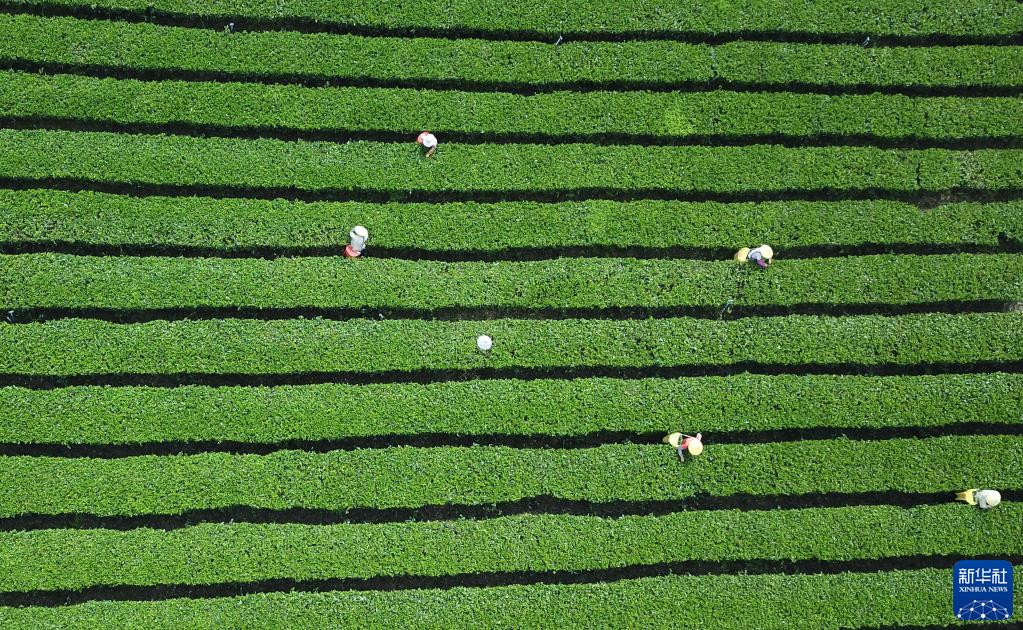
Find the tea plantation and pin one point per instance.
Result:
(211, 417)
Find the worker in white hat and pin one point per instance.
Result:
(984, 499)
(682, 443)
(761, 255)
(357, 241)
(484, 343)
(429, 142)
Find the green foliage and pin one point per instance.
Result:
(552, 18)
(215, 553)
(673, 115)
(73, 346)
(88, 217)
(45, 280)
(843, 600)
(390, 167)
(460, 61)
(413, 477)
(569, 105)
(744, 402)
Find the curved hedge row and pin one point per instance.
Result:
(394, 168)
(68, 559)
(677, 115)
(102, 415)
(53, 280)
(75, 346)
(43, 216)
(829, 601)
(890, 17)
(413, 477)
(292, 56)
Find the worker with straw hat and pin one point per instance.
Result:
(984, 499)
(682, 443)
(761, 255)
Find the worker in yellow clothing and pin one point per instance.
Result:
(984, 499)
(683, 443)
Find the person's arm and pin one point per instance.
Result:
(431, 151)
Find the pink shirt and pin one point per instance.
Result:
(427, 139)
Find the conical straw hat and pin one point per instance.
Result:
(742, 254)
(766, 251)
(695, 446)
(673, 439)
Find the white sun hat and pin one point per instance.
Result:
(484, 342)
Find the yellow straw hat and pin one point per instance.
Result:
(695, 446)
(742, 254)
(673, 439)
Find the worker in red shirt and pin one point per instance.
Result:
(682, 443)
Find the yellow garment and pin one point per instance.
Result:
(968, 496)
(673, 439)
(742, 254)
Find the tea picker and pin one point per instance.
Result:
(761, 255)
(984, 499)
(683, 443)
(484, 343)
(357, 241)
(429, 142)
